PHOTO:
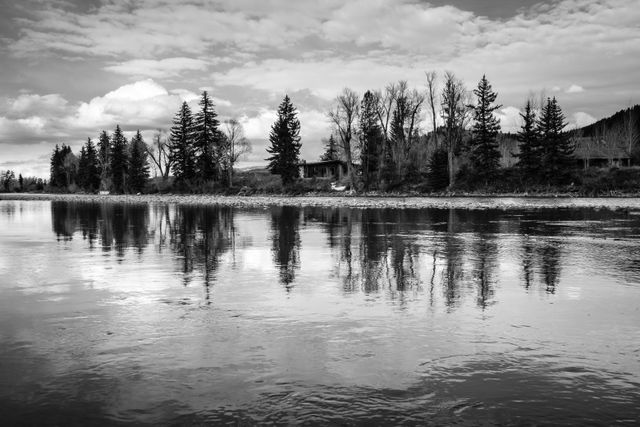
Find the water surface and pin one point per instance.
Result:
(169, 314)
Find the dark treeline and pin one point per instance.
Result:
(381, 139)
(198, 152)
(379, 136)
(9, 183)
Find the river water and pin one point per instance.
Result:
(169, 314)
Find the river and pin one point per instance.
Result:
(114, 313)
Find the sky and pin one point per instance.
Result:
(71, 68)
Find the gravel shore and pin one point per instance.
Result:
(344, 201)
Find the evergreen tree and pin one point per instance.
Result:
(82, 169)
(285, 143)
(138, 165)
(371, 140)
(438, 172)
(104, 161)
(181, 147)
(63, 167)
(529, 160)
(21, 182)
(93, 166)
(555, 144)
(331, 150)
(119, 160)
(207, 140)
(485, 156)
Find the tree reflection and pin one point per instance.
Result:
(198, 236)
(285, 224)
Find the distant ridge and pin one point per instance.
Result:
(614, 121)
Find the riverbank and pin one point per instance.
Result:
(457, 202)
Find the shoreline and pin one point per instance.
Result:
(412, 202)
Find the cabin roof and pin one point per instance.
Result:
(323, 163)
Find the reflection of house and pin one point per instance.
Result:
(335, 169)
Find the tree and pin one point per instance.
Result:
(371, 140)
(182, 152)
(403, 131)
(344, 117)
(331, 150)
(82, 169)
(138, 164)
(104, 161)
(529, 155)
(207, 141)
(88, 167)
(20, 182)
(119, 160)
(93, 166)
(485, 156)
(159, 153)
(7, 179)
(455, 115)
(285, 143)
(432, 97)
(555, 144)
(56, 176)
(236, 145)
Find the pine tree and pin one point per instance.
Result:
(555, 144)
(63, 168)
(331, 150)
(21, 182)
(529, 160)
(104, 161)
(181, 147)
(371, 140)
(438, 171)
(88, 170)
(285, 143)
(138, 165)
(82, 169)
(207, 141)
(485, 156)
(119, 160)
(93, 166)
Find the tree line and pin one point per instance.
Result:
(378, 136)
(197, 151)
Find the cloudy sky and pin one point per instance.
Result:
(70, 68)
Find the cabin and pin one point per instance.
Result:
(594, 153)
(333, 169)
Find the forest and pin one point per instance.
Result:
(381, 140)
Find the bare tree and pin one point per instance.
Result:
(158, 151)
(455, 114)
(630, 131)
(237, 145)
(344, 118)
(432, 96)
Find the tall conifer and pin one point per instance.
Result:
(285, 143)
(485, 156)
(207, 140)
(182, 151)
(138, 165)
(119, 160)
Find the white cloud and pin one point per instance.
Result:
(144, 104)
(324, 78)
(162, 68)
(574, 89)
(581, 119)
(510, 120)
